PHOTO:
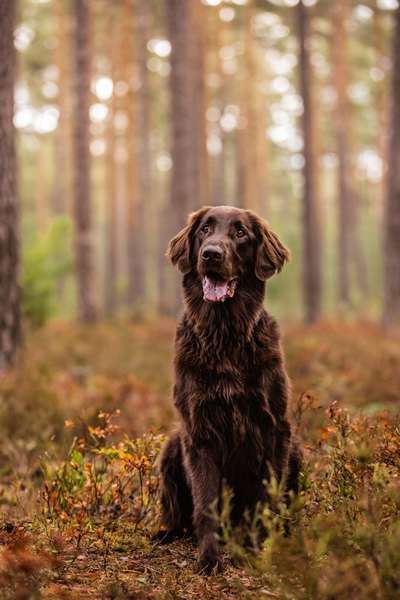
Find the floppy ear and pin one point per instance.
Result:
(271, 254)
(179, 248)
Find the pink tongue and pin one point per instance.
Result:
(214, 291)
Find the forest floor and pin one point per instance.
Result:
(83, 417)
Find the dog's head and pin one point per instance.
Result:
(224, 245)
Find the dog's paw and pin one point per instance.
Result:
(210, 562)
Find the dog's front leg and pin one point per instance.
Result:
(206, 487)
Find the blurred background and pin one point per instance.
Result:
(117, 119)
(130, 114)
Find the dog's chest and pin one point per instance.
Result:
(241, 421)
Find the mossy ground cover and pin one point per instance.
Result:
(83, 417)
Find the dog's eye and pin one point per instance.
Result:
(240, 233)
(205, 228)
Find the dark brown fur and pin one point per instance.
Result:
(231, 389)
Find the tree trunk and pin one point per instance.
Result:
(131, 193)
(381, 105)
(144, 199)
(62, 192)
(82, 209)
(344, 195)
(391, 308)
(9, 240)
(312, 247)
(110, 280)
(248, 146)
(262, 154)
(350, 256)
(199, 104)
(218, 162)
(187, 116)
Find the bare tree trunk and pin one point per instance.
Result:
(10, 324)
(165, 305)
(312, 247)
(131, 191)
(391, 307)
(178, 15)
(82, 209)
(218, 179)
(262, 154)
(251, 141)
(359, 258)
(110, 171)
(349, 248)
(344, 196)
(144, 196)
(381, 104)
(181, 193)
(62, 192)
(216, 34)
(187, 115)
(199, 104)
(248, 184)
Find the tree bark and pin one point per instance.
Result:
(391, 307)
(82, 208)
(131, 189)
(143, 208)
(248, 146)
(345, 228)
(312, 247)
(350, 256)
(382, 107)
(345, 216)
(188, 137)
(62, 192)
(197, 49)
(110, 280)
(218, 163)
(187, 105)
(10, 322)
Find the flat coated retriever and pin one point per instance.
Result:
(231, 388)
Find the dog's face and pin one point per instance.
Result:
(223, 244)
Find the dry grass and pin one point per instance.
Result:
(78, 488)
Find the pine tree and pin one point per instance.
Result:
(82, 207)
(391, 309)
(312, 272)
(9, 239)
(188, 139)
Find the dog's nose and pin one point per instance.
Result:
(212, 253)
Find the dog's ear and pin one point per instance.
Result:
(179, 248)
(271, 254)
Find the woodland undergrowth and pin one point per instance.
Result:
(82, 427)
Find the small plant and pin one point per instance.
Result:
(47, 260)
(90, 533)
(102, 482)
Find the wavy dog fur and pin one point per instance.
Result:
(231, 388)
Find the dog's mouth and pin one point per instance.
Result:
(216, 289)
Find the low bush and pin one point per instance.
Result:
(78, 477)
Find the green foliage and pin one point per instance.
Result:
(47, 260)
(102, 481)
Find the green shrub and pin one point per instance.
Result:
(46, 260)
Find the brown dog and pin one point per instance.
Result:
(231, 387)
